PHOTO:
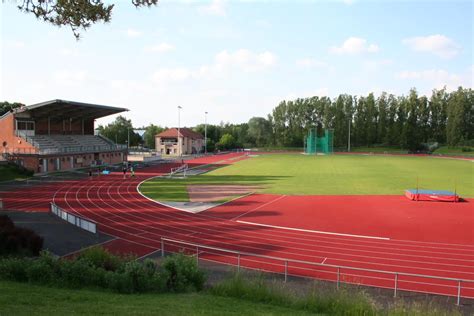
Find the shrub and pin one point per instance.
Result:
(39, 271)
(14, 269)
(81, 273)
(182, 273)
(17, 240)
(101, 258)
(6, 223)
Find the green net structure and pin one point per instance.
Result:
(319, 145)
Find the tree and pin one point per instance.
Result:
(227, 141)
(119, 131)
(149, 135)
(459, 111)
(77, 14)
(259, 131)
(7, 106)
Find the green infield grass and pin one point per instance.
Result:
(27, 299)
(297, 174)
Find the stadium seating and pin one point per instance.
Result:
(70, 143)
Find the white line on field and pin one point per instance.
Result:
(314, 231)
(259, 207)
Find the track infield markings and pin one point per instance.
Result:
(313, 231)
(258, 207)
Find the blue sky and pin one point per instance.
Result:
(237, 59)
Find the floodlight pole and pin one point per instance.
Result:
(179, 117)
(205, 132)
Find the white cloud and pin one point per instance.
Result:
(354, 45)
(133, 33)
(70, 77)
(14, 44)
(310, 63)
(348, 2)
(70, 52)
(224, 63)
(160, 48)
(439, 78)
(437, 44)
(166, 75)
(244, 59)
(216, 7)
(376, 64)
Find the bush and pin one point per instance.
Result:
(101, 258)
(14, 269)
(6, 223)
(17, 240)
(182, 273)
(81, 273)
(98, 268)
(39, 271)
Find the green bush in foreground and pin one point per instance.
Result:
(98, 268)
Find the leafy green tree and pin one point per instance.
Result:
(382, 126)
(259, 131)
(149, 135)
(437, 108)
(119, 131)
(459, 111)
(77, 14)
(227, 141)
(7, 106)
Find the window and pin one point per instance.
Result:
(26, 126)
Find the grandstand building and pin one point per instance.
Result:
(58, 135)
(186, 143)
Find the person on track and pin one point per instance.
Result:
(124, 170)
(132, 172)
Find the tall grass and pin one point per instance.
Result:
(258, 289)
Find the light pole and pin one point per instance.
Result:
(179, 117)
(205, 133)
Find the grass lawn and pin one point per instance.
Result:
(337, 174)
(379, 150)
(455, 151)
(26, 299)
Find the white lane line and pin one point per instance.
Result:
(259, 207)
(314, 231)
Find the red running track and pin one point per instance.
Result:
(381, 233)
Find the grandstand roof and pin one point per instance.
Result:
(184, 132)
(60, 109)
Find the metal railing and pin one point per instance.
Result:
(337, 271)
(75, 220)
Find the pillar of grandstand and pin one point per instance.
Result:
(58, 135)
(319, 145)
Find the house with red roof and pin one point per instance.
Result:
(182, 141)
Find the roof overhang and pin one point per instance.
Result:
(62, 109)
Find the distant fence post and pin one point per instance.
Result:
(238, 262)
(197, 255)
(396, 285)
(459, 293)
(338, 277)
(162, 247)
